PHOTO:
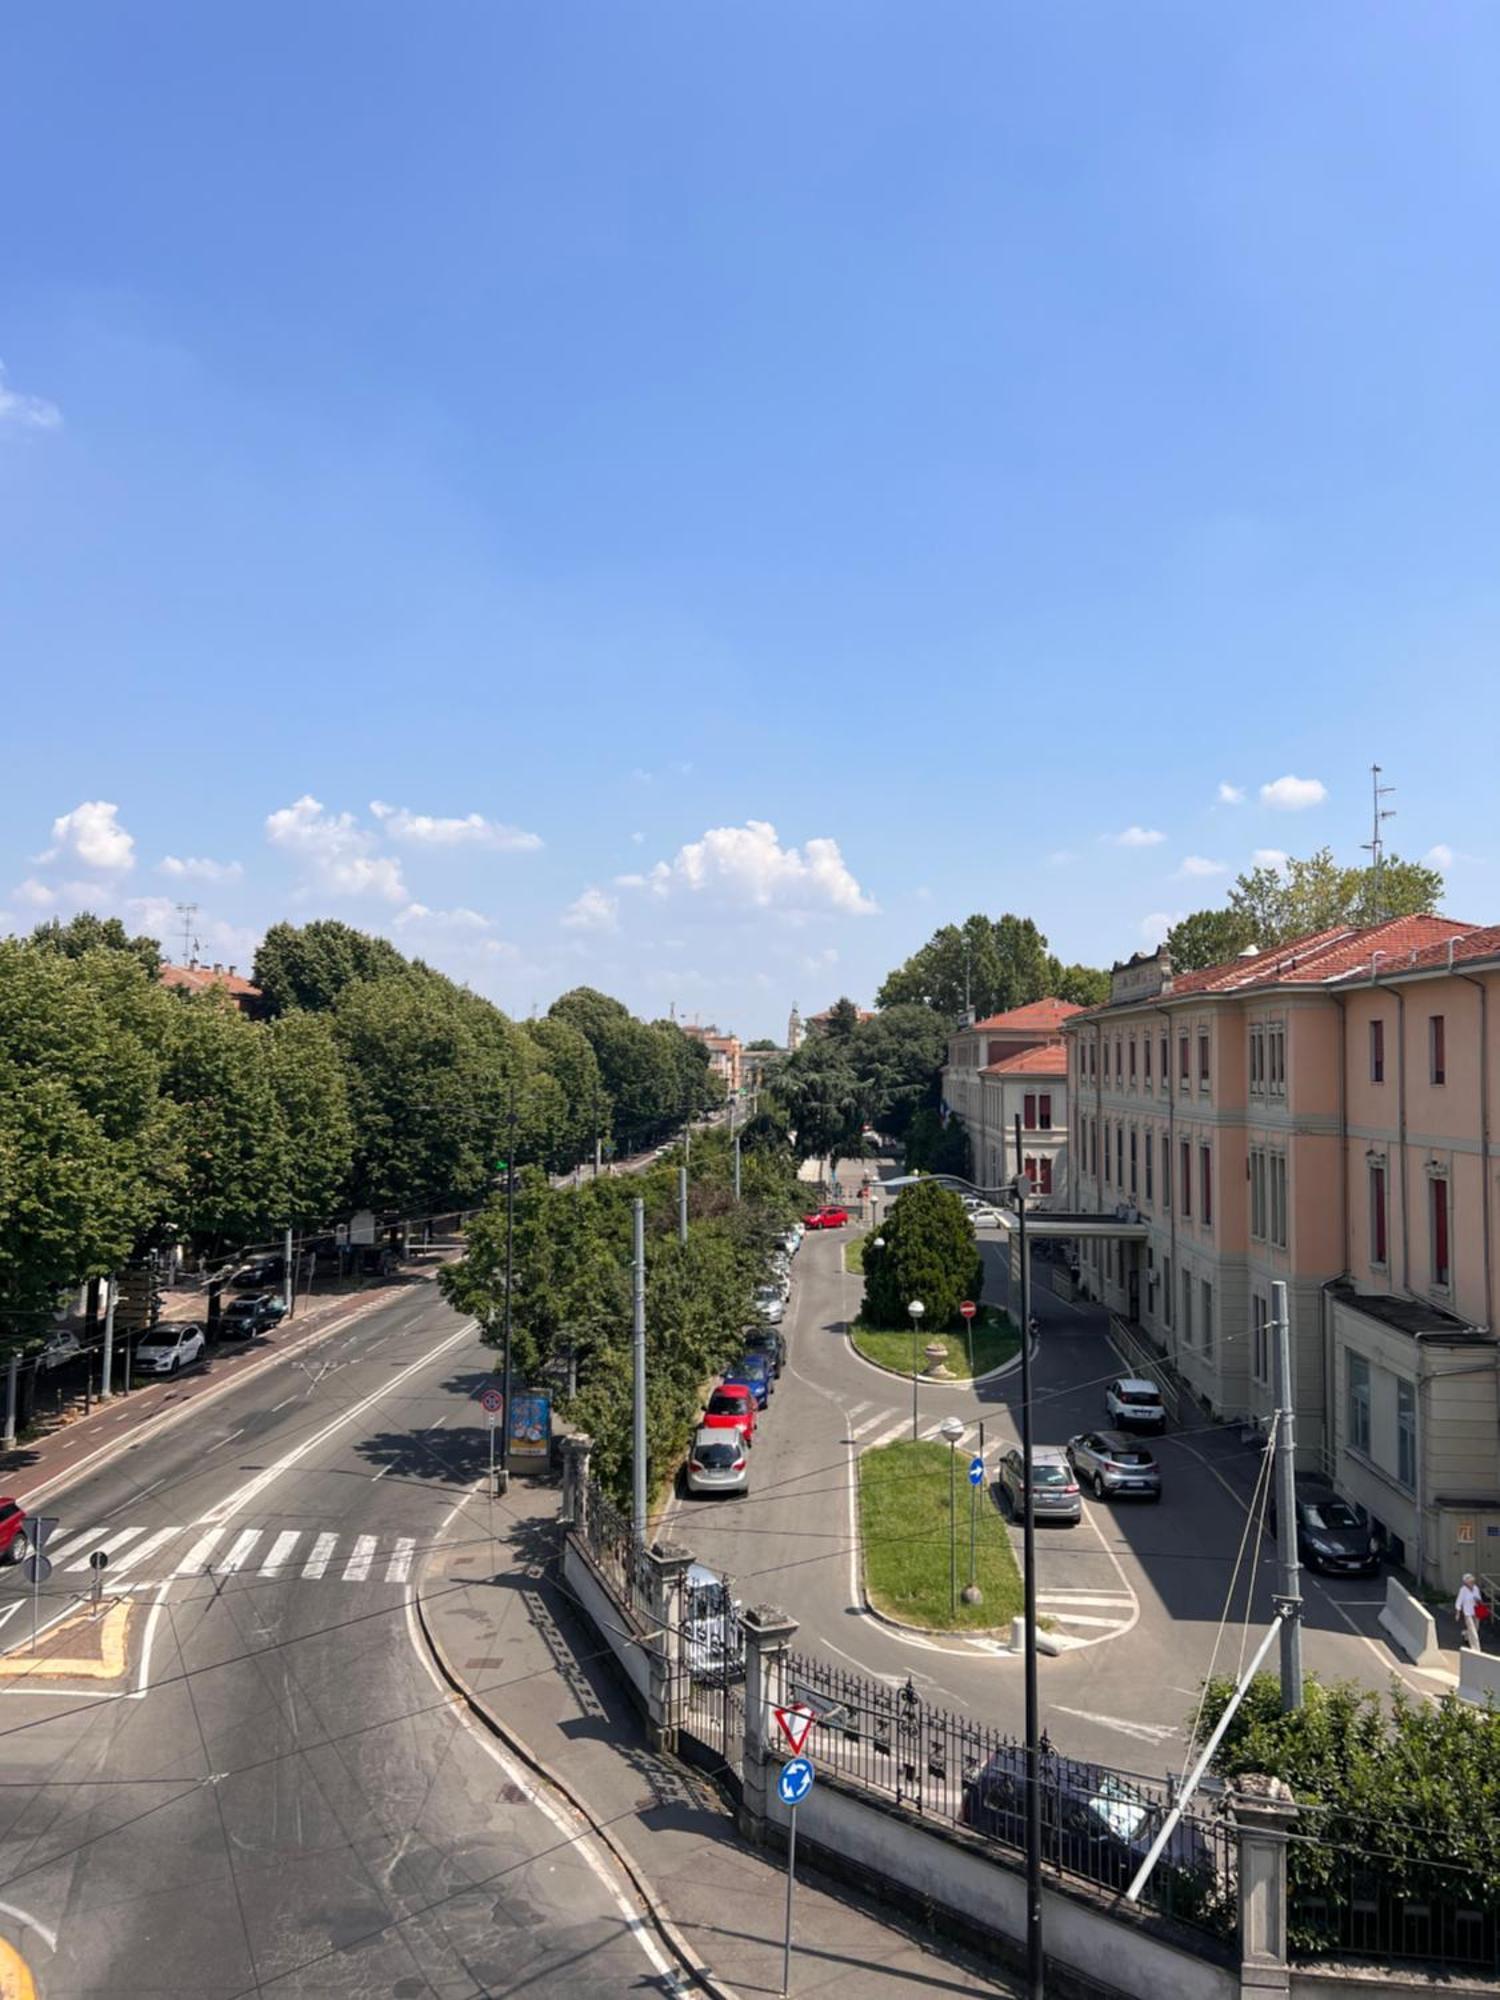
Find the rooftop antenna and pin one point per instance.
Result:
(1375, 845)
(187, 912)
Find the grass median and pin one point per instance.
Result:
(854, 1254)
(995, 1343)
(904, 1526)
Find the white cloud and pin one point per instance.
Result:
(594, 910)
(337, 850)
(92, 833)
(34, 893)
(154, 913)
(198, 868)
(1440, 855)
(1231, 795)
(1136, 836)
(1155, 927)
(1060, 856)
(630, 881)
(1199, 865)
(32, 413)
(458, 919)
(748, 865)
(1269, 857)
(472, 830)
(1293, 794)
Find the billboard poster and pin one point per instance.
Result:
(530, 1424)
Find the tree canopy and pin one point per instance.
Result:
(1278, 900)
(930, 1253)
(990, 964)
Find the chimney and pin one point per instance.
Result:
(218, 968)
(231, 972)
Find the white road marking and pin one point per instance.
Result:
(1144, 1732)
(239, 1552)
(889, 1436)
(55, 1551)
(110, 1543)
(859, 1430)
(196, 1559)
(148, 1547)
(1082, 1597)
(322, 1549)
(358, 1566)
(1085, 1618)
(399, 1567)
(281, 1552)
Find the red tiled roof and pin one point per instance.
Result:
(1468, 946)
(201, 978)
(1047, 1015)
(1046, 1059)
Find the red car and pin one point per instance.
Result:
(731, 1407)
(15, 1543)
(826, 1218)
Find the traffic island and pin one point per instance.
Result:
(995, 1340)
(913, 1547)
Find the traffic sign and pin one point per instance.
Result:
(492, 1402)
(795, 1723)
(795, 1781)
(976, 1470)
(968, 1309)
(37, 1569)
(98, 1560)
(40, 1529)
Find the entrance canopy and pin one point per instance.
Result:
(1123, 1226)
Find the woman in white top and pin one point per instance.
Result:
(1465, 1606)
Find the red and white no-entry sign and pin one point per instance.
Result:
(794, 1724)
(968, 1309)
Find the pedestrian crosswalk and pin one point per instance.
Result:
(870, 1426)
(141, 1554)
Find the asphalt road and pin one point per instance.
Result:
(1135, 1593)
(280, 1799)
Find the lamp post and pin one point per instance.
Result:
(916, 1309)
(953, 1430)
(1035, 1961)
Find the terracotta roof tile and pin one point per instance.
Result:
(1044, 1014)
(201, 978)
(1048, 1059)
(1468, 946)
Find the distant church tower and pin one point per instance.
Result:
(795, 1032)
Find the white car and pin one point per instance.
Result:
(170, 1349)
(770, 1304)
(61, 1346)
(1131, 1400)
(791, 1240)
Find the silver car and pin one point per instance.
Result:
(1054, 1490)
(770, 1304)
(1109, 1463)
(718, 1463)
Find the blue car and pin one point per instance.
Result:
(754, 1370)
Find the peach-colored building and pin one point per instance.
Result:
(1322, 1113)
(1007, 1066)
(724, 1054)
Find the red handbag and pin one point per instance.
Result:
(1481, 1609)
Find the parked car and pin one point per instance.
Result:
(770, 1341)
(257, 1274)
(826, 1218)
(173, 1346)
(249, 1315)
(770, 1304)
(1332, 1536)
(717, 1464)
(60, 1347)
(712, 1642)
(1111, 1463)
(15, 1543)
(754, 1369)
(1132, 1400)
(791, 1239)
(1094, 1822)
(1054, 1490)
(731, 1407)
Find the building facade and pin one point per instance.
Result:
(1007, 1066)
(1277, 1119)
(725, 1056)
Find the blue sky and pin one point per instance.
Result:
(738, 486)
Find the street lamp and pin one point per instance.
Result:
(953, 1430)
(916, 1309)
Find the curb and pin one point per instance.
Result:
(917, 1631)
(931, 1382)
(700, 1975)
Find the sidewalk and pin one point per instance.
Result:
(504, 1631)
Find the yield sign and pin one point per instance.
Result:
(794, 1724)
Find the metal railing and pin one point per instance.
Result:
(611, 1541)
(1356, 1913)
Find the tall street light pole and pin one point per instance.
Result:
(916, 1309)
(953, 1430)
(1035, 1958)
(510, 1273)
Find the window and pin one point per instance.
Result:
(1258, 1195)
(1031, 1172)
(1150, 1156)
(1359, 1403)
(1106, 1152)
(1276, 1171)
(1106, 1062)
(1439, 1198)
(1146, 1057)
(1028, 1111)
(1207, 1301)
(1119, 1156)
(1164, 1071)
(1044, 1110)
(1185, 1179)
(1437, 1048)
(1132, 1058)
(1206, 1185)
(1094, 1146)
(1406, 1433)
(1187, 1308)
(1119, 1062)
(1044, 1186)
(1377, 1052)
(1132, 1159)
(1166, 1172)
(1377, 1215)
(1276, 1060)
(1257, 1062)
(1182, 1062)
(1166, 1289)
(1260, 1340)
(1203, 1062)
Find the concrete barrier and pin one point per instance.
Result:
(1409, 1626)
(1479, 1679)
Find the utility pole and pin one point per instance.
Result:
(12, 1391)
(1375, 845)
(288, 1271)
(682, 1204)
(736, 1166)
(638, 1351)
(107, 1380)
(1035, 1956)
(1289, 1601)
(510, 1273)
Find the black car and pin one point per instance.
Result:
(258, 1272)
(245, 1317)
(1332, 1536)
(1094, 1822)
(767, 1340)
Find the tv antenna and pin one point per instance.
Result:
(187, 912)
(1375, 845)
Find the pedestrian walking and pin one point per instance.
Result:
(1467, 1607)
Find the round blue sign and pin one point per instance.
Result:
(976, 1471)
(795, 1781)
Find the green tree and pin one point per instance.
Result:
(232, 1141)
(312, 1102)
(583, 1102)
(86, 932)
(1083, 985)
(930, 1254)
(935, 1145)
(825, 1107)
(997, 962)
(310, 965)
(762, 1046)
(1209, 937)
(842, 1021)
(1302, 896)
(898, 1055)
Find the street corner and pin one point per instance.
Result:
(86, 1647)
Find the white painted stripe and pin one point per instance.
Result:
(196, 1560)
(110, 1543)
(1082, 1618)
(148, 1547)
(358, 1566)
(889, 1436)
(856, 1409)
(281, 1551)
(399, 1567)
(322, 1549)
(240, 1550)
(1087, 1597)
(880, 1417)
(54, 1551)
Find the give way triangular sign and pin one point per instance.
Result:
(795, 1722)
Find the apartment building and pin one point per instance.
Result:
(725, 1055)
(1268, 1119)
(1007, 1066)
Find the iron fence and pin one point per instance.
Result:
(1097, 1823)
(612, 1543)
(1359, 1914)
